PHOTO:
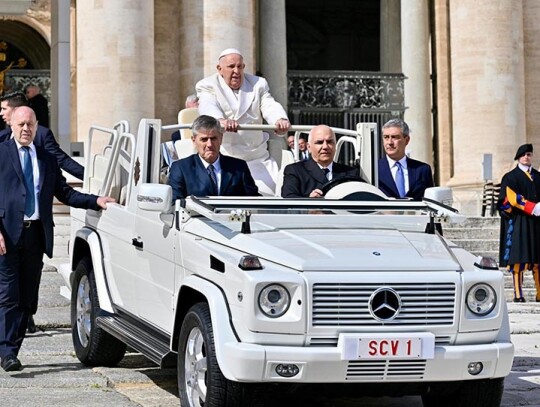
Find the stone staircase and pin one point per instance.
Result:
(480, 236)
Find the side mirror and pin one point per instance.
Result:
(440, 194)
(155, 198)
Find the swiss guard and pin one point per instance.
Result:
(520, 222)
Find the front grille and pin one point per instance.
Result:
(423, 304)
(386, 370)
(332, 341)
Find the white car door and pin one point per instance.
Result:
(154, 277)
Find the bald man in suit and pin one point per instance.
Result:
(29, 179)
(305, 178)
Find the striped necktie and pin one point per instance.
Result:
(28, 171)
(213, 179)
(400, 180)
(326, 173)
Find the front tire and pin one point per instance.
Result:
(200, 381)
(477, 393)
(93, 346)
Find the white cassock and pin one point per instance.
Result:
(249, 105)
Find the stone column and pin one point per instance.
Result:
(531, 29)
(115, 63)
(61, 72)
(168, 63)
(273, 47)
(390, 36)
(443, 89)
(226, 25)
(416, 63)
(488, 90)
(191, 68)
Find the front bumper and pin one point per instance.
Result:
(257, 363)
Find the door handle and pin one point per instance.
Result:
(137, 242)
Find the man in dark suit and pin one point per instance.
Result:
(304, 179)
(399, 175)
(44, 136)
(208, 172)
(29, 178)
(38, 103)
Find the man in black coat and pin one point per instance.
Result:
(29, 179)
(304, 179)
(38, 103)
(44, 136)
(520, 224)
(208, 172)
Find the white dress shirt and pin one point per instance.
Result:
(330, 175)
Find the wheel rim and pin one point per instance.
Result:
(84, 311)
(195, 368)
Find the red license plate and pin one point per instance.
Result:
(390, 348)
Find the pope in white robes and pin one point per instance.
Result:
(234, 97)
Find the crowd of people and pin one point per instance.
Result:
(228, 161)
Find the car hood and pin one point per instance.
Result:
(346, 249)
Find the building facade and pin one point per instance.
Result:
(461, 73)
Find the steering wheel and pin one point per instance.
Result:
(337, 181)
(352, 188)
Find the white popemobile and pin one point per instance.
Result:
(245, 294)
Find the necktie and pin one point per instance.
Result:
(28, 171)
(326, 173)
(400, 180)
(213, 179)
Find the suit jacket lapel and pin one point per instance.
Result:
(315, 171)
(42, 167)
(202, 174)
(226, 174)
(227, 98)
(245, 97)
(386, 174)
(412, 176)
(15, 159)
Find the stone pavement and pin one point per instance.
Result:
(53, 376)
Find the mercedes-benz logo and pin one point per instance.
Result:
(384, 304)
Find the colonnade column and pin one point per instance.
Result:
(61, 72)
(228, 25)
(488, 91)
(273, 47)
(390, 36)
(115, 63)
(416, 68)
(531, 29)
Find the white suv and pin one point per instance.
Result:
(239, 291)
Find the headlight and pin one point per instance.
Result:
(486, 263)
(481, 299)
(274, 300)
